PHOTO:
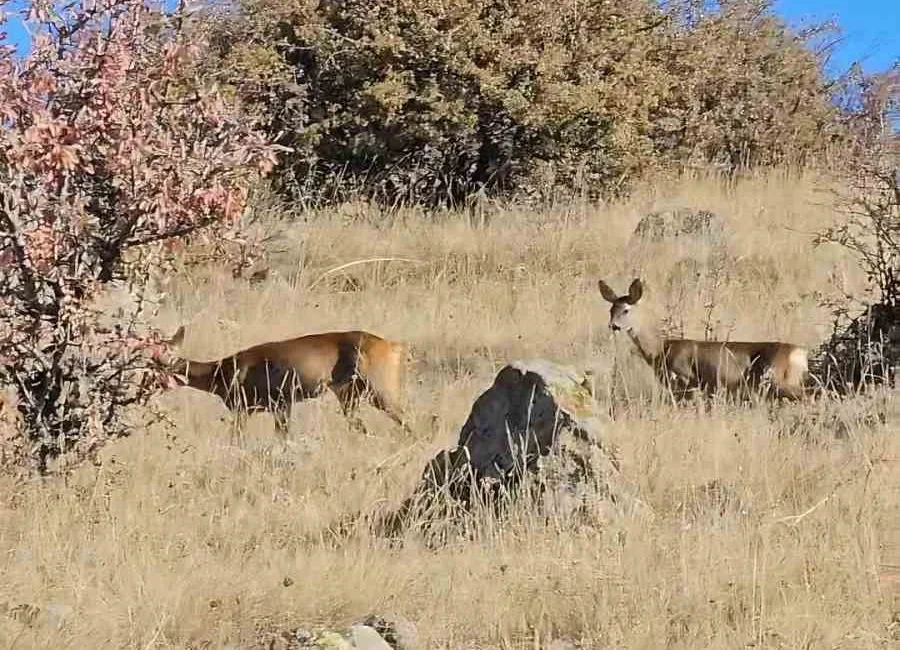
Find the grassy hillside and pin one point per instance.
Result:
(191, 539)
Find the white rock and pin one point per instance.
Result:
(364, 637)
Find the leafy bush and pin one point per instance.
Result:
(111, 146)
(432, 101)
(747, 90)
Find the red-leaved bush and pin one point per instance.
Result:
(111, 145)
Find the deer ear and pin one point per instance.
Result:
(635, 291)
(177, 338)
(606, 291)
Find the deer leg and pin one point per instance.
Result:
(237, 425)
(781, 387)
(236, 399)
(392, 410)
(791, 393)
(348, 395)
(282, 414)
(679, 389)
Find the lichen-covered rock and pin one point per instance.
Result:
(330, 641)
(356, 637)
(519, 417)
(538, 420)
(680, 222)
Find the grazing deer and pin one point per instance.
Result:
(272, 376)
(709, 365)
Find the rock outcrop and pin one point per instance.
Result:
(537, 425)
(374, 633)
(680, 222)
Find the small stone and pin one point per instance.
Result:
(302, 637)
(399, 633)
(364, 637)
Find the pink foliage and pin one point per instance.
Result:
(110, 147)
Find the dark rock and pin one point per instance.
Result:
(538, 420)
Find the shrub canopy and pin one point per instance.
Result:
(433, 100)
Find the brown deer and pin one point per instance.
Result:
(273, 376)
(737, 367)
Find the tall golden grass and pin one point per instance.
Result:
(189, 539)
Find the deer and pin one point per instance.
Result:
(737, 367)
(273, 376)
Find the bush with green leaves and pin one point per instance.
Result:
(433, 101)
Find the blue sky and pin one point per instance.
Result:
(871, 29)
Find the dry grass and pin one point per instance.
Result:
(184, 540)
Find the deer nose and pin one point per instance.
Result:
(614, 327)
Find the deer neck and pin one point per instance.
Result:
(196, 374)
(649, 344)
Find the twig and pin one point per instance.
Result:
(793, 520)
(356, 262)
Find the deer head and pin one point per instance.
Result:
(181, 371)
(620, 314)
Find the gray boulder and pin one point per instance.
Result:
(536, 425)
(680, 222)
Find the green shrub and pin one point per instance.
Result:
(431, 101)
